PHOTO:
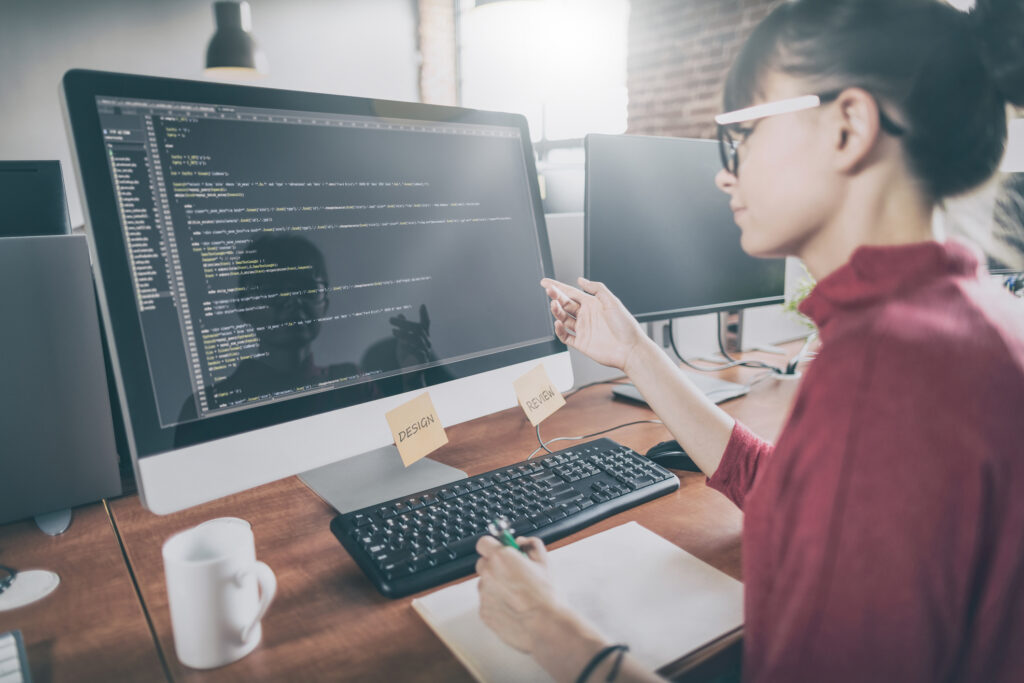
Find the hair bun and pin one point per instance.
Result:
(999, 26)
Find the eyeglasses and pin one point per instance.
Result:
(732, 134)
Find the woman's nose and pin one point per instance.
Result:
(725, 181)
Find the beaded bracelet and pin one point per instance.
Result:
(599, 657)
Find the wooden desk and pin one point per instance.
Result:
(328, 622)
(92, 628)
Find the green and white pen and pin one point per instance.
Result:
(502, 530)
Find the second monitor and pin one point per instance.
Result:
(661, 236)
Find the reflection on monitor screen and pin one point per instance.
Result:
(279, 269)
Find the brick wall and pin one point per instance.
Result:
(679, 53)
(436, 37)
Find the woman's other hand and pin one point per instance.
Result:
(519, 603)
(592, 320)
(516, 595)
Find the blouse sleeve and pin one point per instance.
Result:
(744, 455)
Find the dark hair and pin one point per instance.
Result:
(946, 76)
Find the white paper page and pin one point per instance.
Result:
(634, 585)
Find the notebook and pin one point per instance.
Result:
(633, 585)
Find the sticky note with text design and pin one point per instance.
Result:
(537, 395)
(416, 428)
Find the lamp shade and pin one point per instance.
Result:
(232, 47)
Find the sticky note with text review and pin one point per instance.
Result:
(537, 395)
(416, 428)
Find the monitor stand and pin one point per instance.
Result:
(731, 332)
(718, 390)
(374, 477)
(54, 523)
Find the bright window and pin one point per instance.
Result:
(562, 63)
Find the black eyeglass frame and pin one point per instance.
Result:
(729, 142)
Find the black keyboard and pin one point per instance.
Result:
(417, 542)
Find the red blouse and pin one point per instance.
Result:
(884, 533)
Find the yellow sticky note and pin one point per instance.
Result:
(537, 395)
(416, 428)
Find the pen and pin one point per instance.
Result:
(501, 530)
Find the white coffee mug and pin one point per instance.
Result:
(212, 577)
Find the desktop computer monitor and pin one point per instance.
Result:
(32, 199)
(661, 236)
(278, 269)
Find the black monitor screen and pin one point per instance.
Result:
(284, 261)
(661, 235)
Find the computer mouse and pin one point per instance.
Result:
(671, 455)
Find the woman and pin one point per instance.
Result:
(884, 533)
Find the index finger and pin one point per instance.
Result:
(563, 289)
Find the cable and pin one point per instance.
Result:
(733, 362)
(544, 444)
(580, 388)
(744, 363)
(791, 367)
(541, 442)
(617, 380)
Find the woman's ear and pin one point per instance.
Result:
(856, 128)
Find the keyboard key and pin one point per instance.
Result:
(522, 526)
(391, 558)
(566, 495)
(540, 519)
(462, 547)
